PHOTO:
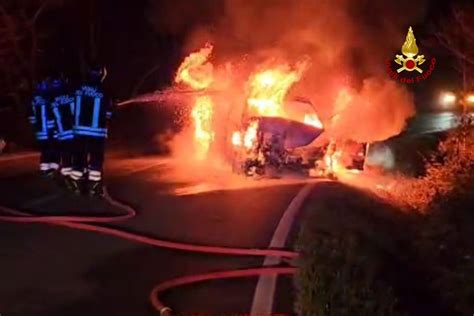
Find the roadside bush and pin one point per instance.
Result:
(449, 171)
(360, 256)
(444, 239)
(445, 246)
(339, 277)
(348, 260)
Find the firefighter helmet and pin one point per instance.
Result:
(58, 83)
(97, 73)
(42, 86)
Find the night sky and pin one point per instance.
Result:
(134, 38)
(127, 42)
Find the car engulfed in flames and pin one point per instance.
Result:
(274, 134)
(269, 146)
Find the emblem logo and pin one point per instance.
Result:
(409, 51)
(409, 61)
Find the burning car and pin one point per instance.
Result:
(268, 145)
(275, 132)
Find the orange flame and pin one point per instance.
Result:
(268, 89)
(334, 159)
(251, 135)
(343, 99)
(196, 71)
(203, 133)
(236, 138)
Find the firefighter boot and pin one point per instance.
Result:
(63, 177)
(73, 185)
(96, 189)
(49, 173)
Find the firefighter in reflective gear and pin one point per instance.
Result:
(63, 111)
(41, 117)
(91, 114)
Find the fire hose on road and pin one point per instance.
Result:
(87, 224)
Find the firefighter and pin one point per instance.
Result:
(41, 118)
(63, 110)
(91, 114)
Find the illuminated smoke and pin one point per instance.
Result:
(347, 43)
(381, 155)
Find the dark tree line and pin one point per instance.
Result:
(36, 39)
(456, 35)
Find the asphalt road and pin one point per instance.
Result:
(50, 270)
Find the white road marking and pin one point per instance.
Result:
(265, 291)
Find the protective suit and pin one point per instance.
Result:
(42, 119)
(62, 105)
(92, 111)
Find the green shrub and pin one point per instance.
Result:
(347, 256)
(351, 257)
(444, 241)
(449, 171)
(445, 247)
(339, 277)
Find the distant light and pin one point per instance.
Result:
(470, 98)
(448, 98)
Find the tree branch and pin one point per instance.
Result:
(39, 11)
(449, 45)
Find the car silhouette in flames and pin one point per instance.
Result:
(268, 146)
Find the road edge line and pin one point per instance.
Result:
(264, 295)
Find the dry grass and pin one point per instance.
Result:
(450, 171)
(357, 261)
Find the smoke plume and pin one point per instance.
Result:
(346, 42)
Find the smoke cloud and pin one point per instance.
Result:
(346, 42)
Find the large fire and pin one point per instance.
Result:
(268, 89)
(197, 72)
(203, 132)
(332, 160)
(343, 99)
(249, 137)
